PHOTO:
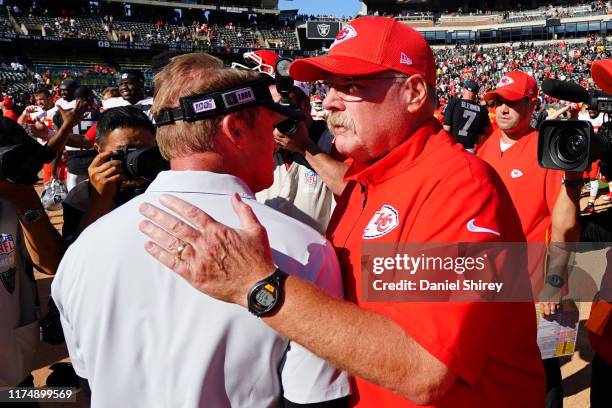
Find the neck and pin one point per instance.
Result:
(511, 136)
(204, 161)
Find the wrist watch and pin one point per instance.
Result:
(265, 294)
(31, 216)
(555, 281)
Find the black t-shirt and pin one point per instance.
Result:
(467, 120)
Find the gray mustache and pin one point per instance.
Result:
(340, 119)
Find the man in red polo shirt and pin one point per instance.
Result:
(512, 150)
(381, 77)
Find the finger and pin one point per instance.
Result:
(168, 259)
(112, 172)
(248, 219)
(160, 236)
(101, 158)
(102, 167)
(169, 223)
(187, 210)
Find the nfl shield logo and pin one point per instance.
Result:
(323, 29)
(7, 244)
(311, 178)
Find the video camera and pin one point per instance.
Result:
(573, 145)
(21, 157)
(284, 86)
(141, 163)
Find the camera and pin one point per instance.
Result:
(284, 86)
(574, 145)
(21, 157)
(19, 164)
(141, 163)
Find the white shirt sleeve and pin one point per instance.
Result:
(307, 378)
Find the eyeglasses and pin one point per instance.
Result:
(350, 89)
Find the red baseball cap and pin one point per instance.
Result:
(514, 86)
(369, 45)
(601, 72)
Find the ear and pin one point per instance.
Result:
(415, 93)
(97, 147)
(232, 130)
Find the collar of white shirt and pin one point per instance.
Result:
(199, 182)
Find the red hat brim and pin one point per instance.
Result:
(315, 68)
(506, 94)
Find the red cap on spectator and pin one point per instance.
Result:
(601, 72)
(369, 45)
(7, 101)
(514, 86)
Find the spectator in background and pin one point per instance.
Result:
(131, 86)
(465, 118)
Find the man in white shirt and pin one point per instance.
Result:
(143, 337)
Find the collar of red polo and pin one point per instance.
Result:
(404, 156)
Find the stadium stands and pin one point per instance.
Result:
(280, 38)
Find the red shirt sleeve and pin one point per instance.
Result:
(91, 133)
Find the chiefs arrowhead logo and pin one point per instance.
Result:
(383, 222)
(504, 81)
(346, 33)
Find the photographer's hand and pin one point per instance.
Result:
(299, 142)
(329, 169)
(104, 177)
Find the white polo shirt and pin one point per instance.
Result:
(145, 338)
(299, 192)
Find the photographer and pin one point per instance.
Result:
(27, 239)
(125, 126)
(305, 176)
(596, 227)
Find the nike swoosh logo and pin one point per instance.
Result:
(516, 173)
(474, 228)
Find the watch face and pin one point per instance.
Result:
(264, 298)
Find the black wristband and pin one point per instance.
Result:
(572, 183)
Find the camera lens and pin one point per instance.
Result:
(571, 146)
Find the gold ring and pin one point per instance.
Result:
(180, 249)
